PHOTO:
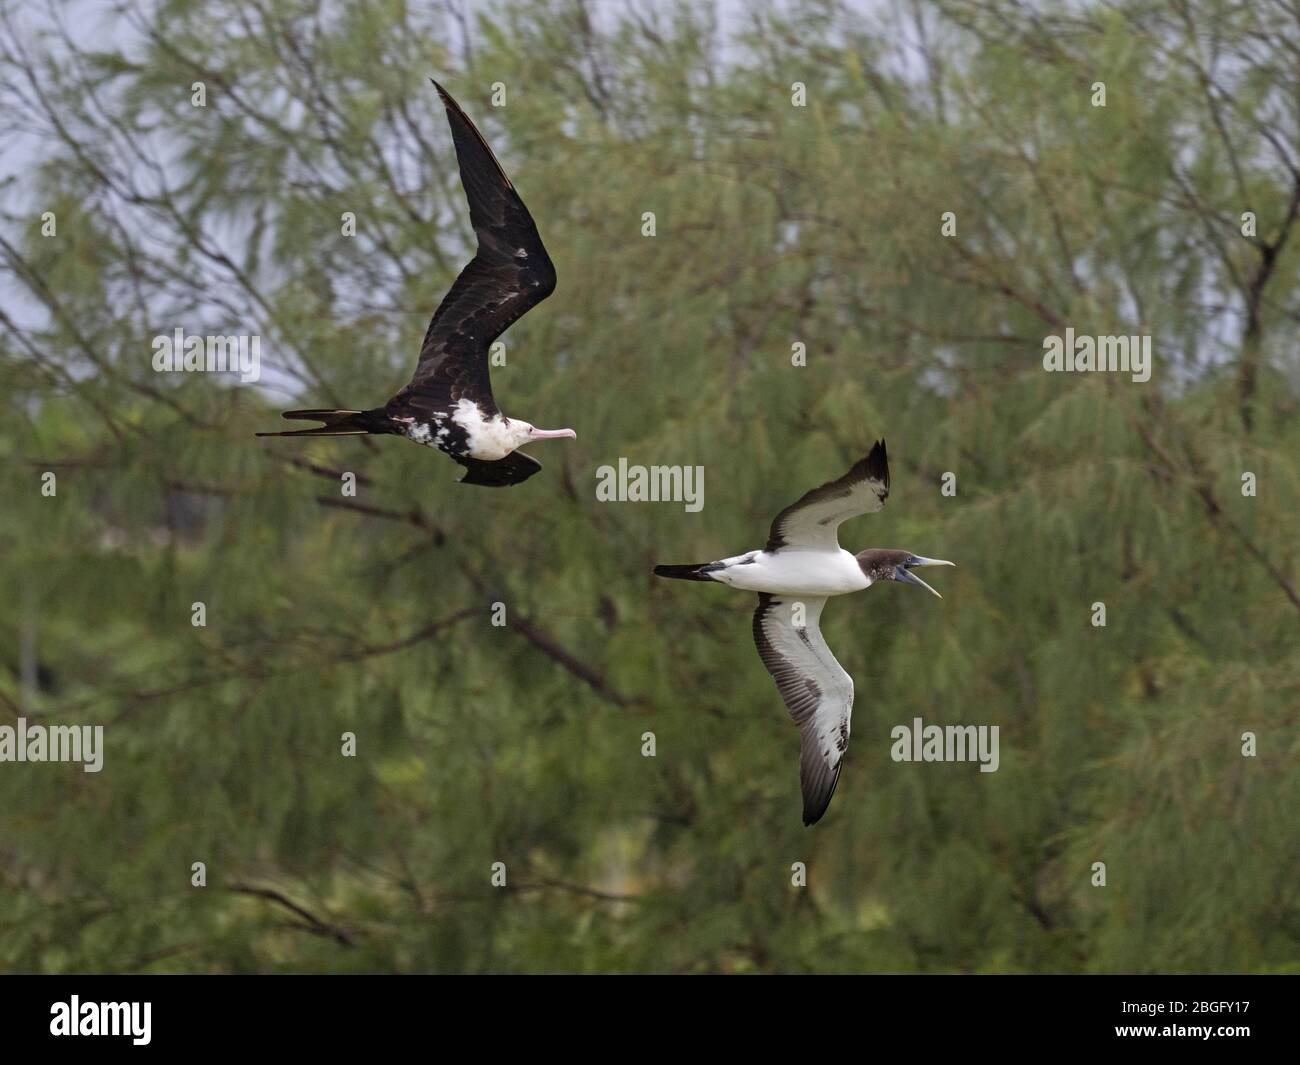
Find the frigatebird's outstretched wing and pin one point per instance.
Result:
(814, 521)
(816, 690)
(512, 469)
(509, 274)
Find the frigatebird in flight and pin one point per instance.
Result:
(448, 403)
(800, 568)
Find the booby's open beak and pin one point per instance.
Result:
(904, 572)
(551, 434)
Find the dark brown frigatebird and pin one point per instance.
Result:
(448, 403)
(800, 568)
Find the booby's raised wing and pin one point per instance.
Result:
(813, 523)
(509, 274)
(816, 690)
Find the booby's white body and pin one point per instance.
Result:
(793, 572)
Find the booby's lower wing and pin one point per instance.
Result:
(513, 469)
(816, 690)
(813, 523)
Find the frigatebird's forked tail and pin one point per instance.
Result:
(338, 423)
(448, 403)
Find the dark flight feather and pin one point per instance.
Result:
(513, 469)
(509, 274)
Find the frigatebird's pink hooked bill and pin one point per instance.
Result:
(449, 403)
(800, 568)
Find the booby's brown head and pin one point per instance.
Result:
(889, 564)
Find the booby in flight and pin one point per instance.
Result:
(448, 403)
(800, 568)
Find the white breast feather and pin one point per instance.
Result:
(788, 572)
(488, 439)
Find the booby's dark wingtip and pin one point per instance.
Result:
(876, 463)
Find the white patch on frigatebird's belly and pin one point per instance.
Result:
(487, 439)
(787, 572)
(426, 433)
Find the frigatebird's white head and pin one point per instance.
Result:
(887, 564)
(535, 433)
(521, 432)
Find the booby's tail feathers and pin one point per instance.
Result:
(338, 423)
(697, 571)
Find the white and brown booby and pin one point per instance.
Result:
(448, 403)
(801, 567)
